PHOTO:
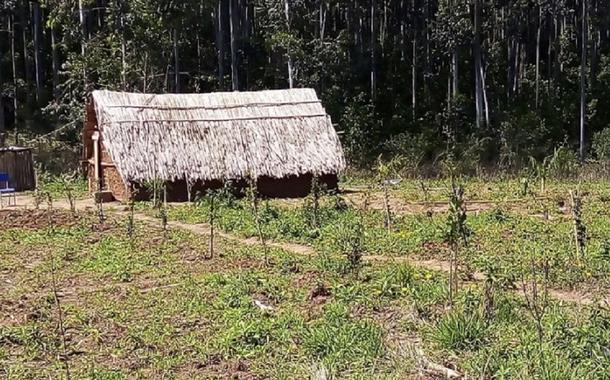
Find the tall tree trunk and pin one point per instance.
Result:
(403, 32)
(510, 70)
(176, 61)
(373, 52)
(123, 50)
(321, 31)
(220, 42)
(414, 63)
(595, 46)
(83, 26)
(2, 121)
(455, 72)
(37, 36)
(594, 65)
(289, 53)
(99, 11)
(24, 38)
(557, 47)
(383, 29)
(55, 63)
(234, 23)
(14, 67)
(145, 73)
(247, 30)
(200, 16)
(2, 118)
(83, 44)
(583, 84)
(476, 49)
(322, 20)
(549, 54)
(484, 93)
(414, 76)
(538, 34)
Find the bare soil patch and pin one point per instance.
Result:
(36, 219)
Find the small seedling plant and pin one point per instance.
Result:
(253, 196)
(131, 226)
(99, 204)
(386, 173)
(315, 202)
(155, 188)
(63, 356)
(580, 230)
(457, 234)
(163, 212)
(41, 194)
(68, 186)
(535, 291)
(356, 236)
(61, 327)
(212, 198)
(540, 171)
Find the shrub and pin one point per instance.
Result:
(601, 146)
(346, 237)
(564, 163)
(361, 125)
(461, 330)
(338, 339)
(411, 148)
(392, 281)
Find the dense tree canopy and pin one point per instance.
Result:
(495, 80)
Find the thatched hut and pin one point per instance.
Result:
(282, 138)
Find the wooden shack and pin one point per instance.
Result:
(281, 138)
(19, 165)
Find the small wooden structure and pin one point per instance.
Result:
(19, 165)
(280, 138)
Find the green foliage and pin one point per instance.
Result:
(172, 311)
(393, 282)
(411, 149)
(457, 231)
(338, 339)
(523, 136)
(65, 186)
(601, 146)
(461, 330)
(360, 125)
(564, 163)
(347, 238)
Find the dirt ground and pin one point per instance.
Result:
(17, 219)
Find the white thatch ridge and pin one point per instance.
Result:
(225, 135)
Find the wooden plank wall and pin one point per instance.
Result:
(20, 167)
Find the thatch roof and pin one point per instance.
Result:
(226, 135)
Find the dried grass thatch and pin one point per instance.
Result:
(218, 136)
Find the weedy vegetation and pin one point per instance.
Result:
(314, 287)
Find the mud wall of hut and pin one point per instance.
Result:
(287, 187)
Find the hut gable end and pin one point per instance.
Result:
(202, 137)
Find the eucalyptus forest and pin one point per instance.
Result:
(496, 81)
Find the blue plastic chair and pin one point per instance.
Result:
(5, 190)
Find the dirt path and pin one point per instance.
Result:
(402, 207)
(399, 206)
(300, 249)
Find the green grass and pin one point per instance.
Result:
(505, 238)
(154, 307)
